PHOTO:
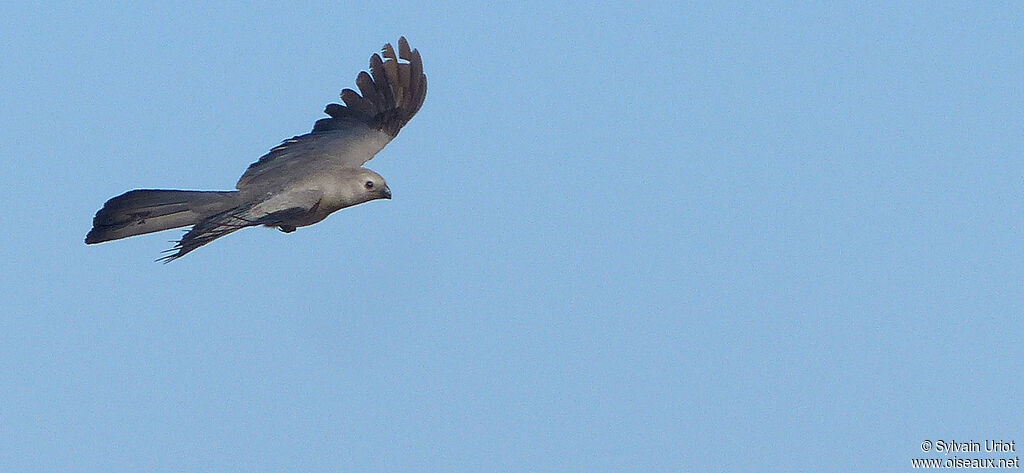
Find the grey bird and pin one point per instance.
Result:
(301, 181)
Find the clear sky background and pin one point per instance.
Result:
(653, 237)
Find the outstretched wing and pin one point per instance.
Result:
(389, 95)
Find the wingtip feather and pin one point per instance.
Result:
(403, 49)
(389, 94)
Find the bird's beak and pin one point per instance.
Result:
(387, 192)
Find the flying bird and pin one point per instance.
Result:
(301, 181)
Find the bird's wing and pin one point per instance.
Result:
(272, 211)
(392, 92)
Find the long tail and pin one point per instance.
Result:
(151, 210)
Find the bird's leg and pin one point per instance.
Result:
(286, 228)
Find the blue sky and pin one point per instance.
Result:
(638, 237)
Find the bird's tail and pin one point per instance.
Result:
(151, 210)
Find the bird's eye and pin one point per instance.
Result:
(368, 185)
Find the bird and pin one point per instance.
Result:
(297, 183)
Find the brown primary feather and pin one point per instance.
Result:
(392, 77)
(369, 90)
(353, 100)
(380, 77)
(388, 51)
(403, 49)
(417, 87)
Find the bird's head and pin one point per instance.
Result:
(369, 186)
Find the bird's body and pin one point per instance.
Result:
(298, 183)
